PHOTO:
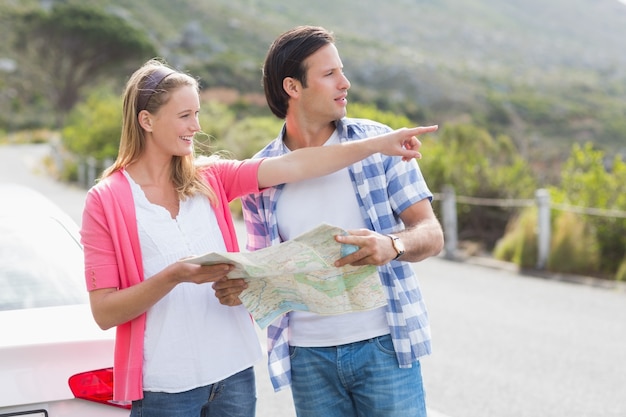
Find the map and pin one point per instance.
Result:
(299, 275)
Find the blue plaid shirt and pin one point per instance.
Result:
(385, 186)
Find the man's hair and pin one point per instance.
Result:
(285, 58)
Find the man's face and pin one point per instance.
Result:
(324, 98)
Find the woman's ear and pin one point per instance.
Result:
(145, 120)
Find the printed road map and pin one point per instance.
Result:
(299, 275)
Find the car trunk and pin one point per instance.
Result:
(41, 348)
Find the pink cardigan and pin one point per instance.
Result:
(113, 255)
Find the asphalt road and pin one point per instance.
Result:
(504, 344)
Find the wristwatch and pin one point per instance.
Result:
(397, 245)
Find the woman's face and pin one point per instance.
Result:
(176, 122)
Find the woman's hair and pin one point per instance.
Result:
(149, 88)
(285, 58)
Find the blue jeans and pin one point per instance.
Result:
(355, 380)
(234, 396)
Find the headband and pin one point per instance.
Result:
(150, 85)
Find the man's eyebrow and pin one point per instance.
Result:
(332, 69)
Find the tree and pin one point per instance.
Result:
(94, 126)
(73, 46)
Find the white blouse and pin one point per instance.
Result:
(191, 340)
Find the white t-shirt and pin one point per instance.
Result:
(191, 340)
(302, 206)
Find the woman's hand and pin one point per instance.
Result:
(199, 274)
(403, 142)
(112, 307)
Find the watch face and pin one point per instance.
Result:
(397, 243)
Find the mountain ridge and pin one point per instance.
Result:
(452, 58)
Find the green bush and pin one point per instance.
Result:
(93, 128)
(519, 243)
(476, 164)
(215, 119)
(590, 179)
(391, 119)
(574, 247)
(621, 272)
(247, 136)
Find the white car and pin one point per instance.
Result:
(54, 360)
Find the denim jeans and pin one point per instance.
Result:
(234, 396)
(355, 380)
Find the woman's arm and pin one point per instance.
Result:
(317, 161)
(111, 307)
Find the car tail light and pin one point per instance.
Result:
(95, 386)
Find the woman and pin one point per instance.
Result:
(179, 352)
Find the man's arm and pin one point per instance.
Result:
(422, 238)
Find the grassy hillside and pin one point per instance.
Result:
(547, 73)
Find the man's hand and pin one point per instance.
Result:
(374, 248)
(422, 238)
(228, 290)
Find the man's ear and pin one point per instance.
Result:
(291, 86)
(145, 120)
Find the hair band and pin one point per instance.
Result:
(150, 85)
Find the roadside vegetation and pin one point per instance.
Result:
(504, 141)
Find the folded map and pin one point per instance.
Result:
(299, 275)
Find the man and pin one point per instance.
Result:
(359, 363)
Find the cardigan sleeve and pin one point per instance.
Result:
(231, 179)
(109, 236)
